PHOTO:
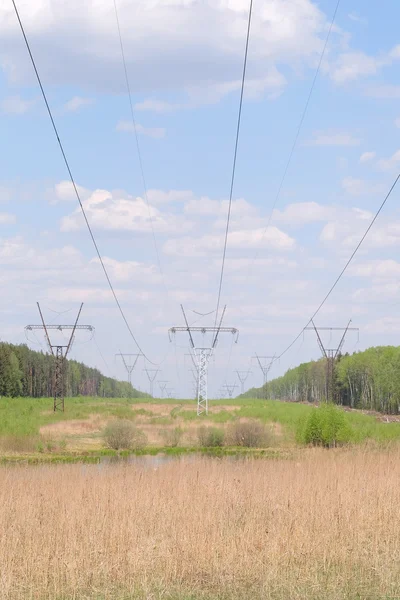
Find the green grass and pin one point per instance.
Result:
(23, 417)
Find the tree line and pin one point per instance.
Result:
(366, 380)
(26, 372)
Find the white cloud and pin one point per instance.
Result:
(65, 191)
(346, 232)
(273, 238)
(388, 164)
(360, 187)
(118, 211)
(353, 16)
(154, 132)
(76, 103)
(352, 65)
(7, 219)
(302, 213)
(172, 196)
(367, 157)
(397, 122)
(214, 208)
(6, 193)
(128, 271)
(321, 138)
(379, 269)
(15, 105)
(388, 91)
(285, 33)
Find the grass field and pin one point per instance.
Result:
(324, 526)
(29, 426)
(302, 524)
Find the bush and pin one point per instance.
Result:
(123, 435)
(325, 426)
(210, 437)
(249, 434)
(172, 437)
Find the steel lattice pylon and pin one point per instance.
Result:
(331, 355)
(60, 354)
(59, 379)
(203, 357)
(203, 354)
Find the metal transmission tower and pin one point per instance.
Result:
(230, 388)
(60, 353)
(203, 355)
(331, 355)
(151, 375)
(195, 380)
(194, 372)
(163, 387)
(170, 392)
(243, 375)
(265, 364)
(129, 361)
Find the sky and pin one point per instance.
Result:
(184, 62)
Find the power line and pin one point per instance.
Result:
(128, 87)
(74, 184)
(234, 160)
(101, 354)
(296, 138)
(345, 266)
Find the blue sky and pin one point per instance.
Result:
(184, 62)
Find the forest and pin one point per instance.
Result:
(366, 380)
(25, 372)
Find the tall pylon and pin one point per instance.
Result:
(163, 387)
(331, 355)
(203, 354)
(151, 375)
(265, 364)
(242, 375)
(60, 353)
(230, 388)
(129, 361)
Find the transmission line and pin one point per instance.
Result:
(345, 266)
(128, 88)
(234, 161)
(296, 138)
(74, 184)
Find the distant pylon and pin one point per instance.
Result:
(242, 375)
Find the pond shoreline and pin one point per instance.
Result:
(99, 456)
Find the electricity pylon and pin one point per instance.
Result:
(60, 354)
(331, 355)
(163, 387)
(265, 364)
(129, 361)
(170, 392)
(243, 375)
(195, 380)
(151, 375)
(194, 372)
(230, 388)
(203, 355)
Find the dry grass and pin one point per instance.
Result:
(326, 527)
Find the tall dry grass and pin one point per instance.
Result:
(325, 527)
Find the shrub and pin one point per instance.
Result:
(172, 437)
(325, 426)
(123, 435)
(210, 437)
(249, 434)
